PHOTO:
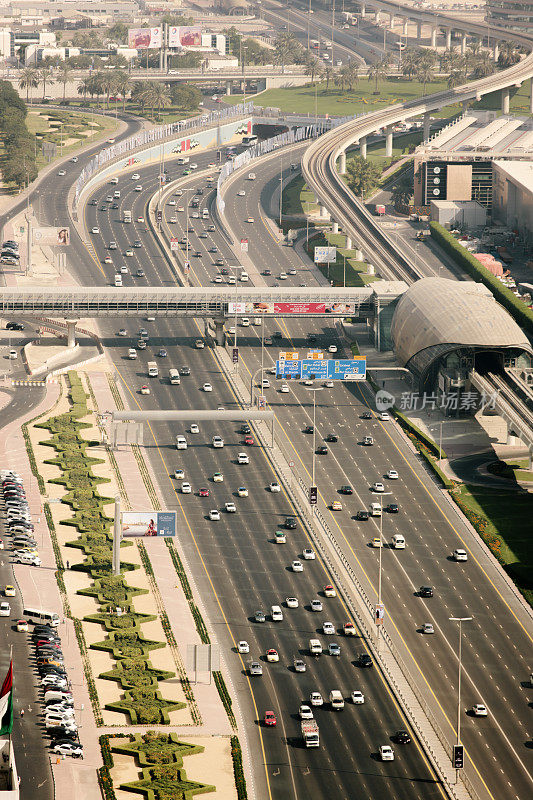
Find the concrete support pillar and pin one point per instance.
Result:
(511, 438)
(377, 18)
(349, 244)
(228, 87)
(463, 44)
(334, 227)
(496, 53)
(71, 332)
(388, 142)
(358, 254)
(219, 332)
(434, 37)
(530, 460)
(323, 211)
(419, 32)
(505, 101)
(405, 23)
(427, 126)
(448, 38)
(363, 12)
(342, 162)
(362, 146)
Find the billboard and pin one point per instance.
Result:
(276, 308)
(148, 523)
(325, 255)
(51, 236)
(342, 369)
(145, 38)
(185, 36)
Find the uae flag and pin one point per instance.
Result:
(6, 702)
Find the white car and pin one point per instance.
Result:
(272, 655)
(218, 477)
(384, 416)
(69, 749)
(480, 710)
(179, 474)
(173, 219)
(242, 193)
(124, 270)
(297, 566)
(291, 602)
(242, 491)
(114, 181)
(186, 488)
(329, 384)
(275, 487)
(243, 647)
(392, 475)
(122, 332)
(332, 348)
(144, 390)
(460, 555)
(194, 428)
(386, 753)
(316, 699)
(134, 177)
(284, 388)
(171, 202)
(62, 172)
(217, 442)
(428, 628)
(308, 554)
(13, 354)
(138, 188)
(283, 276)
(5, 609)
(305, 711)
(243, 458)
(316, 605)
(207, 387)
(230, 507)
(214, 515)
(378, 487)
(328, 628)
(95, 230)
(358, 697)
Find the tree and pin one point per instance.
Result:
(483, 66)
(402, 190)
(45, 77)
(158, 95)
(425, 73)
(379, 71)
(186, 96)
(29, 79)
(456, 78)
(139, 93)
(509, 54)
(176, 20)
(329, 73)
(313, 67)
(410, 61)
(362, 175)
(352, 74)
(123, 85)
(287, 49)
(65, 74)
(85, 86)
(118, 33)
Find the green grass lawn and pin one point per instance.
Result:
(506, 528)
(301, 99)
(169, 114)
(75, 126)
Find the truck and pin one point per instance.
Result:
(310, 733)
(126, 216)
(153, 369)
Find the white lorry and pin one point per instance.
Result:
(310, 733)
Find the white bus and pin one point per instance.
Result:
(174, 377)
(34, 615)
(249, 140)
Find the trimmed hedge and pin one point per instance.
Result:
(238, 771)
(409, 426)
(521, 313)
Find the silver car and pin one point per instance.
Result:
(256, 668)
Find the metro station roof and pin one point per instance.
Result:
(436, 316)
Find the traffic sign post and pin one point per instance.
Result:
(343, 369)
(313, 495)
(458, 756)
(380, 613)
(235, 355)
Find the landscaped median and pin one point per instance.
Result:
(131, 660)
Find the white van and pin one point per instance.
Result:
(181, 443)
(336, 699)
(315, 648)
(116, 194)
(245, 322)
(398, 541)
(153, 369)
(276, 614)
(174, 377)
(257, 320)
(34, 615)
(132, 353)
(375, 509)
(205, 213)
(251, 176)
(244, 277)
(118, 280)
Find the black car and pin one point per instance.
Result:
(392, 508)
(139, 273)
(365, 660)
(322, 450)
(47, 669)
(10, 243)
(93, 203)
(267, 272)
(185, 371)
(14, 326)
(115, 206)
(245, 429)
(362, 516)
(311, 337)
(309, 429)
(332, 438)
(346, 489)
(402, 737)
(224, 271)
(213, 249)
(425, 591)
(290, 523)
(366, 415)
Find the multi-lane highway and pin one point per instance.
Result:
(497, 641)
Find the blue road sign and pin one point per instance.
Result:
(343, 369)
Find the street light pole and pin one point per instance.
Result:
(460, 620)
(280, 193)
(314, 390)
(379, 561)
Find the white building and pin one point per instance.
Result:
(512, 195)
(11, 40)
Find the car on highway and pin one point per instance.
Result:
(322, 450)
(22, 626)
(384, 416)
(250, 220)
(241, 193)
(9, 590)
(269, 719)
(194, 428)
(290, 523)
(332, 437)
(332, 348)
(185, 370)
(308, 554)
(207, 387)
(376, 542)
(243, 458)
(260, 616)
(357, 697)
(5, 609)
(316, 699)
(348, 629)
(336, 505)
(309, 429)
(214, 515)
(14, 326)
(402, 737)
(186, 488)
(203, 492)
(230, 507)
(275, 487)
(299, 665)
(346, 489)
(179, 474)
(392, 508)
(248, 440)
(329, 591)
(392, 475)
(366, 415)
(297, 566)
(460, 555)
(140, 220)
(386, 753)
(291, 602)
(256, 668)
(284, 389)
(62, 172)
(378, 486)
(243, 647)
(242, 491)
(137, 243)
(425, 591)
(316, 605)
(328, 628)
(305, 711)
(95, 229)
(218, 477)
(479, 710)
(123, 270)
(427, 627)
(141, 344)
(122, 332)
(138, 188)
(272, 655)
(291, 271)
(134, 177)
(365, 660)
(144, 389)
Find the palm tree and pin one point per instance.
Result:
(29, 79)
(140, 93)
(456, 78)
(65, 74)
(312, 66)
(483, 66)
(45, 76)
(286, 48)
(352, 74)
(85, 86)
(123, 85)
(425, 73)
(410, 59)
(379, 71)
(329, 73)
(159, 96)
(508, 55)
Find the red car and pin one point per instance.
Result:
(248, 440)
(270, 718)
(204, 492)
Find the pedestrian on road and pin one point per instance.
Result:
(68, 565)
(21, 712)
